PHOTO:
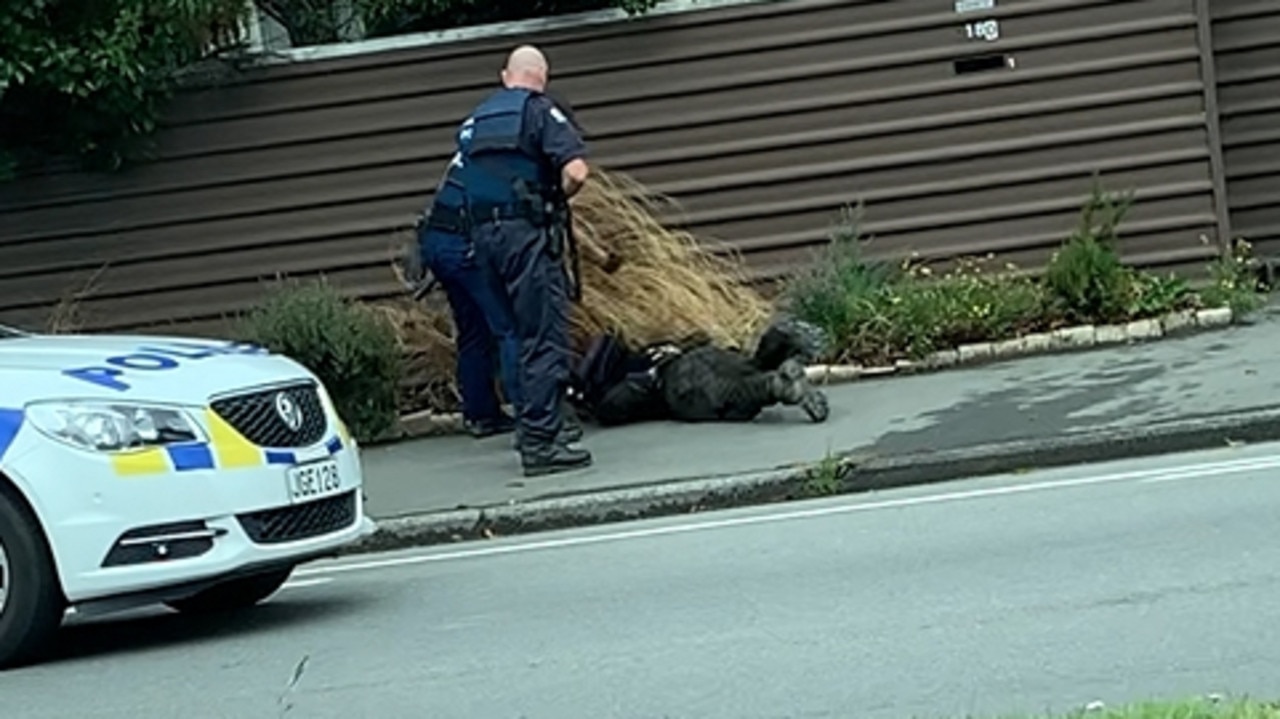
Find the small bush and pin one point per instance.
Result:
(1151, 295)
(1235, 282)
(1086, 278)
(352, 349)
(839, 290)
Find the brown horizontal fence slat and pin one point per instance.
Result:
(761, 120)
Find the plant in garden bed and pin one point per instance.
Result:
(967, 304)
(877, 314)
(1234, 282)
(352, 348)
(1089, 282)
(842, 292)
(1086, 279)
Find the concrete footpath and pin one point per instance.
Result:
(1201, 391)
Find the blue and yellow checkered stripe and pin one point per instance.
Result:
(226, 449)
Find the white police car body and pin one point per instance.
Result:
(139, 470)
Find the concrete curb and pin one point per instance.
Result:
(1067, 339)
(851, 474)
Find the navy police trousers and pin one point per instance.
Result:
(518, 255)
(483, 320)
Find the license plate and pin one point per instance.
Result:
(316, 480)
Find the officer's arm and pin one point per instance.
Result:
(564, 146)
(574, 176)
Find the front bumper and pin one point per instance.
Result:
(116, 530)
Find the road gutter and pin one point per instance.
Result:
(846, 473)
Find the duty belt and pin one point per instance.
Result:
(481, 212)
(447, 219)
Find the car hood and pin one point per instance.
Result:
(134, 367)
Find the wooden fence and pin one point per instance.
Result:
(963, 132)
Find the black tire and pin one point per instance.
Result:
(234, 594)
(32, 609)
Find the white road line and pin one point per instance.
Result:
(1179, 476)
(1140, 476)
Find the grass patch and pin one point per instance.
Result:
(878, 313)
(825, 477)
(1206, 708)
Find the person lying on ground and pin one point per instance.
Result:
(694, 380)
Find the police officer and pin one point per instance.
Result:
(519, 158)
(480, 313)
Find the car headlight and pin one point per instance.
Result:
(110, 427)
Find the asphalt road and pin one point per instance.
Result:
(1021, 593)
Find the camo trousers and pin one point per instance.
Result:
(708, 384)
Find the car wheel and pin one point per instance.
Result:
(31, 603)
(233, 594)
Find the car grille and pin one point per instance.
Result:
(254, 415)
(301, 521)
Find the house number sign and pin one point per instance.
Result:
(987, 30)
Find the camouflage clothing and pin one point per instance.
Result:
(696, 381)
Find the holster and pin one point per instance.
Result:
(556, 239)
(561, 239)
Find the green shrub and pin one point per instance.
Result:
(88, 79)
(350, 347)
(969, 305)
(1152, 295)
(1086, 278)
(1234, 283)
(877, 314)
(384, 18)
(839, 290)
(918, 314)
(91, 79)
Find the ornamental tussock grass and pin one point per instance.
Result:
(668, 283)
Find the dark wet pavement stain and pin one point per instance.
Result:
(1032, 406)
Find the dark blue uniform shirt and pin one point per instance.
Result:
(547, 128)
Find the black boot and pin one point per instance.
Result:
(568, 435)
(790, 386)
(815, 405)
(552, 458)
(570, 430)
(481, 429)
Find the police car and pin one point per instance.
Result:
(141, 470)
